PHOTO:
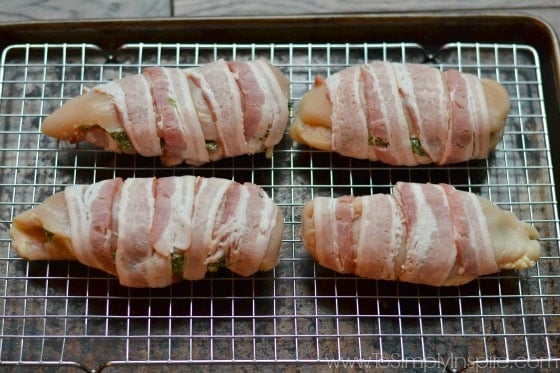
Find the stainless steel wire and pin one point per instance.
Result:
(62, 313)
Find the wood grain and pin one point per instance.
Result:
(547, 10)
(32, 10)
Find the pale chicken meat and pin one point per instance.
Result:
(403, 114)
(153, 232)
(431, 234)
(195, 115)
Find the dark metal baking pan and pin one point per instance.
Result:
(65, 315)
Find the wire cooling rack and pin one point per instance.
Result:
(65, 314)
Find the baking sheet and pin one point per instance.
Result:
(63, 313)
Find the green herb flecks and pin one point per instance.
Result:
(417, 147)
(213, 267)
(177, 261)
(211, 145)
(172, 102)
(122, 139)
(377, 141)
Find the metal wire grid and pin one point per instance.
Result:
(62, 313)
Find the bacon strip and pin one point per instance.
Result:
(389, 132)
(209, 198)
(475, 255)
(349, 129)
(139, 122)
(90, 214)
(137, 264)
(460, 141)
(480, 116)
(276, 97)
(325, 233)
(344, 216)
(171, 231)
(99, 136)
(169, 122)
(248, 218)
(375, 250)
(257, 115)
(380, 138)
(430, 251)
(194, 151)
(425, 98)
(222, 93)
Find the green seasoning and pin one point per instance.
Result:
(213, 267)
(417, 147)
(123, 140)
(172, 102)
(415, 144)
(177, 261)
(211, 145)
(377, 141)
(120, 137)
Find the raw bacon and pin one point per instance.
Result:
(429, 234)
(194, 115)
(153, 232)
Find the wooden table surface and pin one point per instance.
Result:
(31, 10)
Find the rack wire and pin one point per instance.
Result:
(65, 314)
